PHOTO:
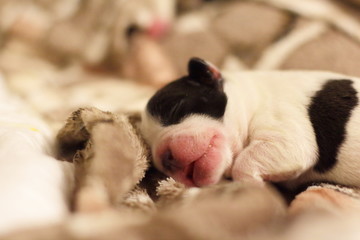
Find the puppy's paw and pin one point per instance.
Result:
(240, 175)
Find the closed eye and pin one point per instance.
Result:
(175, 110)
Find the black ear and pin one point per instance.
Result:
(204, 72)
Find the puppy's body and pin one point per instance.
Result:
(291, 127)
(285, 137)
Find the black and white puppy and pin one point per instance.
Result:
(277, 126)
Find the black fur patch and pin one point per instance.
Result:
(184, 97)
(329, 112)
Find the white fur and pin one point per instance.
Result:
(280, 143)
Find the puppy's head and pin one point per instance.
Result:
(183, 123)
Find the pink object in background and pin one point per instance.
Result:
(158, 28)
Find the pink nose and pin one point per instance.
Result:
(181, 171)
(169, 163)
(181, 152)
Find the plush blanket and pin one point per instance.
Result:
(116, 196)
(93, 110)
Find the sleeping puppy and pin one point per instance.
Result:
(291, 127)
